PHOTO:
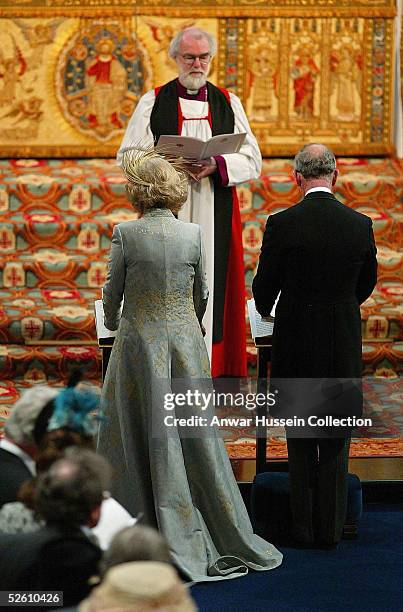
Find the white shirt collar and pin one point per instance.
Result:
(88, 532)
(12, 448)
(313, 189)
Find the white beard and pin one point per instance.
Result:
(193, 82)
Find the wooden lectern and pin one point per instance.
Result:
(263, 359)
(262, 335)
(105, 337)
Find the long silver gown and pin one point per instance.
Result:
(184, 485)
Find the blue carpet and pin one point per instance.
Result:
(364, 574)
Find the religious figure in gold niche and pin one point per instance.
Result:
(11, 69)
(304, 73)
(163, 34)
(101, 76)
(346, 67)
(20, 109)
(263, 82)
(39, 35)
(106, 87)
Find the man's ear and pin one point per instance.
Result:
(297, 178)
(94, 517)
(335, 176)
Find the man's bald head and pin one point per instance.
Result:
(315, 161)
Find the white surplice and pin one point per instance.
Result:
(199, 207)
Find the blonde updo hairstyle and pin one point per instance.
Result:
(154, 181)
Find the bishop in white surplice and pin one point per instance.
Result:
(195, 119)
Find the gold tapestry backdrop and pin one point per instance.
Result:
(70, 79)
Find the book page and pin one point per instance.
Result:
(182, 146)
(102, 331)
(194, 148)
(224, 143)
(264, 327)
(260, 328)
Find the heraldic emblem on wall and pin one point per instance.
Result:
(101, 74)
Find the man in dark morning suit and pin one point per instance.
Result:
(23, 430)
(322, 256)
(61, 555)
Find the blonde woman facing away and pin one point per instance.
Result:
(182, 483)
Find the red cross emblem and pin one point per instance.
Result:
(253, 237)
(5, 240)
(243, 199)
(377, 328)
(13, 276)
(87, 239)
(31, 328)
(79, 199)
(96, 276)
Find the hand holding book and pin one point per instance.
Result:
(202, 168)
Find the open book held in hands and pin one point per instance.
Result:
(195, 148)
(261, 327)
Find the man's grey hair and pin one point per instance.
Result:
(135, 543)
(20, 425)
(197, 33)
(315, 161)
(72, 487)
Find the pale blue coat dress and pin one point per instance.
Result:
(183, 485)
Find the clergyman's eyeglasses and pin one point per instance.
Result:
(190, 59)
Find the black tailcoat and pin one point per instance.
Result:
(322, 256)
(53, 558)
(13, 472)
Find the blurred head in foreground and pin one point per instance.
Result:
(29, 418)
(135, 543)
(141, 586)
(70, 493)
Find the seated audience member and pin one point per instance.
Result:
(138, 587)
(19, 516)
(23, 432)
(137, 543)
(60, 556)
(73, 423)
(76, 410)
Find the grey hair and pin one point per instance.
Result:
(315, 161)
(197, 33)
(135, 543)
(20, 424)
